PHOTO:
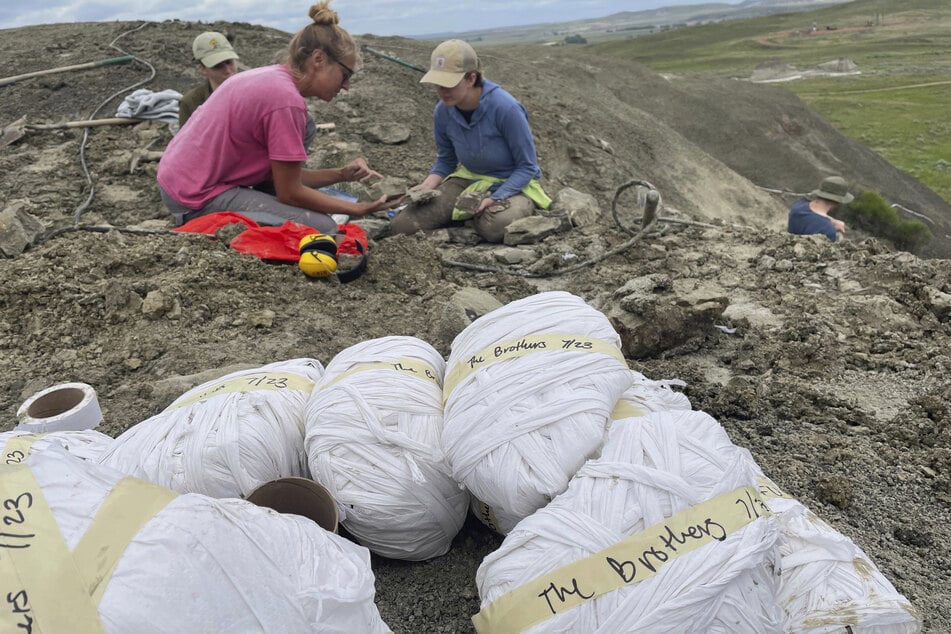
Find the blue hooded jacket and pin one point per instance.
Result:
(496, 141)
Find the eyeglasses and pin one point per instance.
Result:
(347, 71)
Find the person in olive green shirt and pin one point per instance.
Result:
(216, 62)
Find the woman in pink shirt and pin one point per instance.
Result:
(250, 131)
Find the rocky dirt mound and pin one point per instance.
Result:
(830, 362)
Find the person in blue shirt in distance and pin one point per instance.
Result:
(810, 215)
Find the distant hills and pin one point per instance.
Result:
(631, 23)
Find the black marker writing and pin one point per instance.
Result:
(668, 542)
(257, 381)
(474, 361)
(698, 531)
(20, 604)
(626, 570)
(752, 505)
(518, 346)
(14, 516)
(574, 344)
(561, 593)
(14, 457)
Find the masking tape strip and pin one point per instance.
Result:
(44, 411)
(625, 409)
(43, 587)
(257, 381)
(130, 505)
(406, 365)
(630, 561)
(18, 448)
(514, 348)
(486, 515)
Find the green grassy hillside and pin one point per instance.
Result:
(897, 105)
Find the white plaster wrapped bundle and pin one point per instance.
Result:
(87, 444)
(174, 563)
(650, 395)
(225, 437)
(627, 523)
(372, 438)
(529, 390)
(827, 583)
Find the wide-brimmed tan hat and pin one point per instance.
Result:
(834, 188)
(450, 62)
(211, 48)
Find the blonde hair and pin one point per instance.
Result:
(324, 34)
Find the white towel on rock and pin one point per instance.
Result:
(146, 104)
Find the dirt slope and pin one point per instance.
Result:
(767, 134)
(836, 377)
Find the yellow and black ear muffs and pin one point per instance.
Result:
(318, 258)
(351, 274)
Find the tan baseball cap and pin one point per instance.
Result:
(211, 48)
(450, 62)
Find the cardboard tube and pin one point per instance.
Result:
(298, 496)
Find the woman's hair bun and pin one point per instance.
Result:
(322, 14)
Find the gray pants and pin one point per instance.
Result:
(261, 207)
(437, 212)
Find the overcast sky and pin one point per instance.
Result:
(377, 17)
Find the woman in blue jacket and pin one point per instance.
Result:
(486, 167)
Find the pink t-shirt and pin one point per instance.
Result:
(255, 117)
